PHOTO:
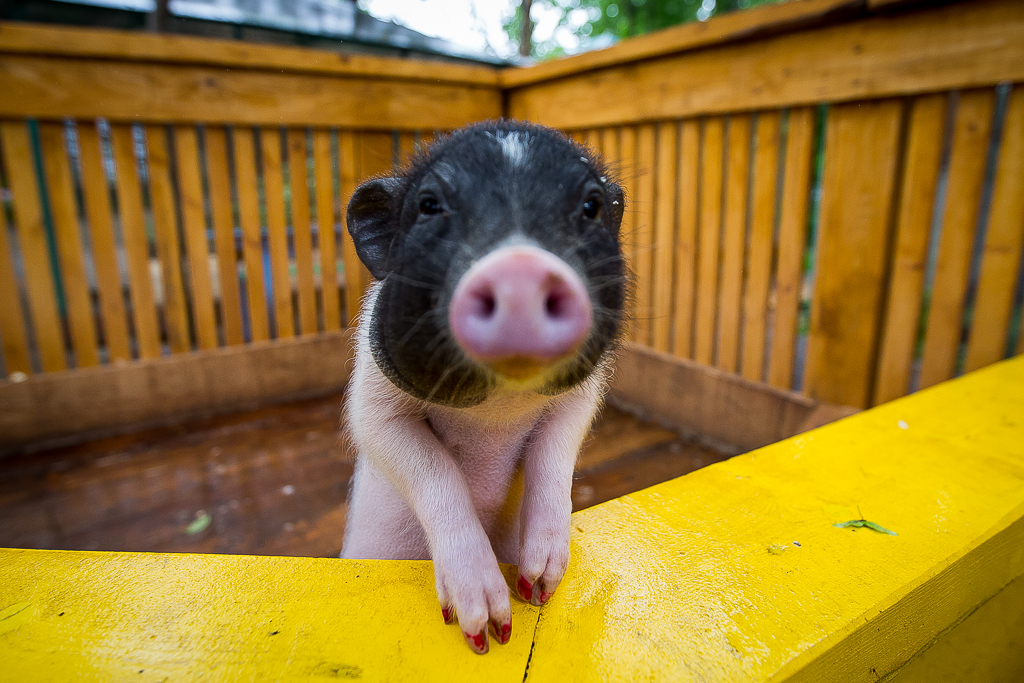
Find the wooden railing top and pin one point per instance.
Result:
(64, 41)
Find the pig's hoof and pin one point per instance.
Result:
(544, 597)
(478, 643)
(449, 614)
(525, 589)
(501, 632)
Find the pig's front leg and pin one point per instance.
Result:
(392, 433)
(548, 464)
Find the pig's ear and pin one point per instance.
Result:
(616, 204)
(372, 222)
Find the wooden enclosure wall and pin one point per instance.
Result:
(838, 210)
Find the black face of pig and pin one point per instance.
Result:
(484, 187)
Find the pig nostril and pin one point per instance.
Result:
(484, 304)
(555, 305)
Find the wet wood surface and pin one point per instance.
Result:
(270, 482)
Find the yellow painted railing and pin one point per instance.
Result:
(735, 572)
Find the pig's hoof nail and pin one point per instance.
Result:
(545, 596)
(501, 632)
(477, 643)
(525, 589)
(449, 614)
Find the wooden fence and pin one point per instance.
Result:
(826, 195)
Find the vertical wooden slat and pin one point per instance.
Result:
(628, 171)
(664, 234)
(759, 260)
(252, 239)
(277, 232)
(375, 158)
(190, 186)
(591, 138)
(136, 242)
(861, 152)
(69, 244)
(406, 147)
(966, 178)
(792, 236)
(28, 216)
(104, 251)
(576, 136)
(735, 232)
(610, 149)
(167, 247)
(917, 201)
(12, 319)
(686, 238)
(348, 151)
(710, 225)
(644, 232)
(219, 178)
(1002, 255)
(301, 230)
(325, 227)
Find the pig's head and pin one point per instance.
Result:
(498, 253)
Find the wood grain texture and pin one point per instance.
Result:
(277, 230)
(13, 324)
(137, 91)
(861, 152)
(792, 238)
(136, 242)
(956, 45)
(222, 214)
(96, 200)
(734, 228)
(906, 281)
(68, 234)
(349, 169)
(324, 182)
(1001, 258)
(109, 44)
(667, 180)
(705, 313)
(165, 219)
(627, 162)
(759, 257)
(959, 222)
(193, 220)
(643, 241)
(685, 252)
(301, 230)
(252, 234)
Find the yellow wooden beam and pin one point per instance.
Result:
(734, 572)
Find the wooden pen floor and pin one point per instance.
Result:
(271, 481)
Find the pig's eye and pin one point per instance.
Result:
(429, 206)
(592, 207)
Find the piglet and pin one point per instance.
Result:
(482, 353)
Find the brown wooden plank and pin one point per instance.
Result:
(136, 242)
(301, 230)
(993, 304)
(708, 238)
(46, 87)
(277, 235)
(643, 239)
(906, 283)
(173, 388)
(23, 38)
(167, 248)
(861, 150)
(13, 330)
(792, 237)
(685, 37)
(219, 178)
(406, 147)
(956, 45)
(759, 258)
(686, 238)
(627, 162)
(96, 197)
(68, 235)
(735, 232)
(966, 178)
(348, 151)
(197, 251)
(323, 177)
(664, 234)
(252, 241)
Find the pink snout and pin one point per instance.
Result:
(519, 309)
